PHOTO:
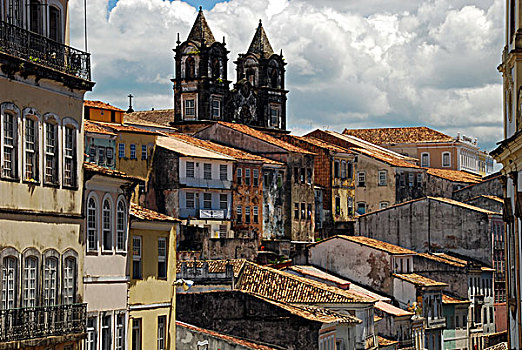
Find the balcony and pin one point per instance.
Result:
(436, 322)
(43, 51)
(209, 214)
(42, 322)
(205, 183)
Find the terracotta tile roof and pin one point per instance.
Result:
(108, 172)
(464, 205)
(264, 137)
(369, 149)
(315, 272)
(101, 105)
(188, 149)
(285, 287)
(444, 260)
(159, 117)
(419, 280)
(499, 346)
(149, 215)
(392, 310)
(214, 266)
(228, 338)
(96, 128)
(419, 134)
(452, 258)
(447, 299)
(317, 143)
(454, 175)
(313, 313)
(373, 243)
(124, 128)
(490, 197)
(386, 342)
(229, 151)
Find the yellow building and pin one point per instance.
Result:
(152, 267)
(42, 84)
(102, 112)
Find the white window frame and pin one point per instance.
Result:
(92, 333)
(119, 331)
(411, 179)
(92, 230)
(216, 109)
(137, 255)
(255, 214)
(206, 195)
(277, 109)
(189, 112)
(70, 154)
(106, 343)
(361, 175)
(188, 175)
(51, 163)
(137, 328)
(425, 164)
(121, 225)
(162, 331)
(121, 150)
(383, 177)
(384, 205)
(448, 165)
(187, 199)
(223, 204)
(31, 116)
(50, 280)
(69, 279)
(223, 172)
(109, 228)
(162, 255)
(207, 171)
(30, 281)
(10, 281)
(133, 151)
(255, 177)
(10, 109)
(144, 154)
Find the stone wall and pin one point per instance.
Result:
(490, 186)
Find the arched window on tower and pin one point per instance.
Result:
(251, 76)
(217, 71)
(274, 78)
(190, 68)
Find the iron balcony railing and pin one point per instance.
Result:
(38, 49)
(42, 321)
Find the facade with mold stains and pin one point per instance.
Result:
(42, 84)
(298, 200)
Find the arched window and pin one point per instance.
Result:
(217, 68)
(251, 76)
(9, 140)
(274, 77)
(51, 150)
(50, 282)
(92, 225)
(36, 24)
(55, 24)
(107, 225)
(69, 280)
(190, 68)
(9, 281)
(31, 132)
(30, 281)
(120, 225)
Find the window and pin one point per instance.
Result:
(302, 177)
(350, 170)
(207, 200)
(190, 109)
(303, 211)
(54, 24)
(296, 175)
(31, 149)
(247, 215)
(419, 179)
(9, 145)
(121, 150)
(120, 225)
(69, 162)
(410, 179)
(239, 214)
(361, 208)
(50, 281)
(106, 340)
(247, 176)
(162, 257)
(216, 108)
(309, 176)
(309, 212)
(136, 257)
(239, 175)
(337, 205)
(223, 172)
(101, 156)
(446, 159)
(190, 68)
(361, 179)
(136, 334)
(350, 206)
(223, 201)
(207, 171)
(9, 280)
(343, 169)
(106, 225)
(382, 177)
(189, 170)
(279, 179)
(337, 170)
(133, 151)
(119, 341)
(162, 327)
(91, 334)
(425, 159)
(143, 151)
(256, 177)
(69, 281)
(296, 211)
(92, 229)
(274, 116)
(383, 205)
(35, 17)
(110, 155)
(255, 211)
(30, 281)
(189, 200)
(92, 153)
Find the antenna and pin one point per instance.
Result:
(130, 110)
(85, 23)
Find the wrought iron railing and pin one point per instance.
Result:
(42, 321)
(38, 49)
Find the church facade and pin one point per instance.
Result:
(202, 91)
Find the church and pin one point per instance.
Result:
(202, 90)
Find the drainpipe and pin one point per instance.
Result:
(429, 225)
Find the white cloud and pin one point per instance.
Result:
(350, 63)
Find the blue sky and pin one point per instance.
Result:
(206, 4)
(351, 63)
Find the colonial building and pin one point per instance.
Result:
(432, 148)
(42, 84)
(201, 85)
(100, 145)
(102, 112)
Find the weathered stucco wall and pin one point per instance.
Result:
(371, 193)
(187, 338)
(491, 186)
(274, 201)
(361, 264)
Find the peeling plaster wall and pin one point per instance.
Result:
(301, 229)
(273, 204)
(187, 338)
(439, 187)
(361, 264)
(491, 186)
